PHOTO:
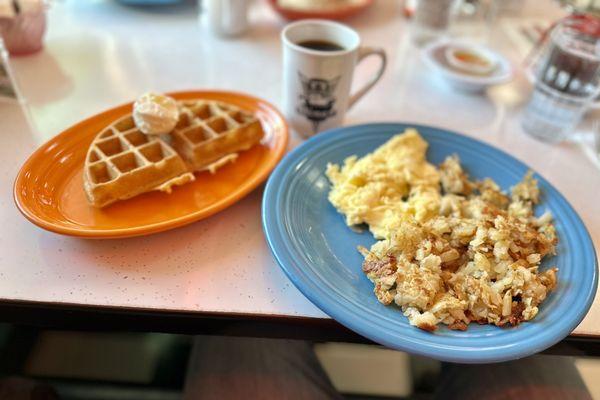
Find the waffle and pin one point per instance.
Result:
(211, 133)
(122, 162)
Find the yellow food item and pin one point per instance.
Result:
(453, 250)
(385, 187)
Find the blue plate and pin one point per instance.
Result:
(318, 253)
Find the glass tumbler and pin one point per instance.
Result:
(567, 79)
(432, 19)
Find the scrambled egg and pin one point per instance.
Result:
(452, 250)
(386, 186)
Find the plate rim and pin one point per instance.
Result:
(162, 226)
(341, 13)
(336, 310)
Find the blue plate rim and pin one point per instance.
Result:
(447, 353)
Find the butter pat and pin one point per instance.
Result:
(155, 114)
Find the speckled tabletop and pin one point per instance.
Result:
(100, 54)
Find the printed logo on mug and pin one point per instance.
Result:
(319, 58)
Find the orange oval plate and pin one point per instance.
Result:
(49, 187)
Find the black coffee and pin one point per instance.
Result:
(320, 45)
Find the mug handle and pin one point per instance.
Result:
(364, 52)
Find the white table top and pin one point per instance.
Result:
(99, 54)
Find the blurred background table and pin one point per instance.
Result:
(217, 275)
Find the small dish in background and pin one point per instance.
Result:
(470, 60)
(467, 66)
(322, 9)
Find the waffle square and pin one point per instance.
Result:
(122, 163)
(209, 131)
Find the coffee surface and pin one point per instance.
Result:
(320, 45)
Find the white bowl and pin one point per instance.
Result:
(435, 57)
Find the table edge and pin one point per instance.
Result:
(78, 317)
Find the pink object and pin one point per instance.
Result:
(24, 33)
(336, 13)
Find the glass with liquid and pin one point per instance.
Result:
(567, 79)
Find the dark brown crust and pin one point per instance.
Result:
(385, 266)
(427, 327)
(515, 317)
(458, 326)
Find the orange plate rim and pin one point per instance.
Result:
(259, 178)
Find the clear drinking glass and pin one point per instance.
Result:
(432, 19)
(567, 79)
(550, 114)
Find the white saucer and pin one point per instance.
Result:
(435, 57)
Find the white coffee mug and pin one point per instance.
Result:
(319, 58)
(228, 17)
